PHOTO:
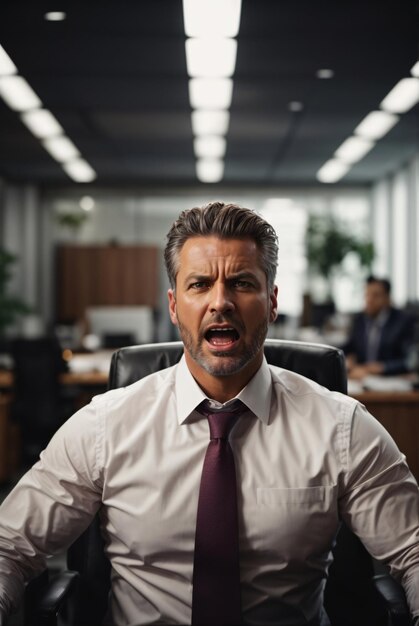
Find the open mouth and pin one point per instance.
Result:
(222, 337)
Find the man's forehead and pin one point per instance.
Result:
(200, 253)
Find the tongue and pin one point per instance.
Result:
(221, 338)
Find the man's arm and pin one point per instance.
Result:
(50, 506)
(380, 502)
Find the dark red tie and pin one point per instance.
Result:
(216, 574)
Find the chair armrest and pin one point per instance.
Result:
(394, 598)
(56, 599)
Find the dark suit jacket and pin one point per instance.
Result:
(397, 338)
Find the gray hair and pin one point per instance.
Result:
(226, 221)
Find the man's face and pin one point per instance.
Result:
(222, 305)
(376, 299)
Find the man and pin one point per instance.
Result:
(381, 336)
(303, 457)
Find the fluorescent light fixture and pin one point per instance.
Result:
(211, 147)
(208, 58)
(332, 171)
(210, 122)
(210, 93)
(211, 18)
(79, 170)
(209, 170)
(402, 97)
(415, 70)
(18, 94)
(41, 123)
(325, 73)
(55, 16)
(354, 149)
(7, 67)
(61, 148)
(376, 124)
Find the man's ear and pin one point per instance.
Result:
(273, 297)
(172, 306)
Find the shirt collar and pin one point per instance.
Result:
(256, 395)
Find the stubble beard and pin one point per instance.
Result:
(225, 363)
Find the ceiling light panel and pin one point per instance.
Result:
(79, 170)
(210, 122)
(402, 97)
(209, 147)
(18, 94)
(61, 148)
(7, 67)
(332, 171)
(208, 58)
(210, 93)
(376, 124)
(211, 18)
(209, 170)
(55, 16)
(415, 70)
(354, 149)
(42, 123)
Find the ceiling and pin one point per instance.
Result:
(114, 75)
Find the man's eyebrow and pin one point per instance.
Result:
(196, 277)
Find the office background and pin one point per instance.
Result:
(119, 80)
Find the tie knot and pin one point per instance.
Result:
(221, 422)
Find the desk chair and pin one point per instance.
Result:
(80, 594)
(40, 405)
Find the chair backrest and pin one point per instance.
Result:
(321, 363)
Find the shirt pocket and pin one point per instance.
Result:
(295, 523)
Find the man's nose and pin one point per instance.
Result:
(221, 298)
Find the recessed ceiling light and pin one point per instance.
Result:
(211, 57)
(325, 73)
(211, 18)
(402, 97)
(61, 148)
(7, 67)
(18, 94)
(415, 70)
(55, 16)
(210, 93)
(209, 170)
(79, 170)
(332, 171)
(212, 147)
(376, 124)
(354, 149)
(41, 123)
(87, 203)
(295, 106)
(210, 122)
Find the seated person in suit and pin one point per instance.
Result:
(238, 529)
(381, 336)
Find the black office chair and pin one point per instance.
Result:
(40, 405)
(351, 599)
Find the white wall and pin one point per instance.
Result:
(395, 230)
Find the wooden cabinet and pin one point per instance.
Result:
(113, 275)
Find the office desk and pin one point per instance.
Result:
(398, 412)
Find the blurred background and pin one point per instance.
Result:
(115, 116)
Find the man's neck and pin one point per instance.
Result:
(222, 388)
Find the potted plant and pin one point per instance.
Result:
(328, 242)
(11, 307)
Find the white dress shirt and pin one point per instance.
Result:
(304, 456)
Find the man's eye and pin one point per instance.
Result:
(243, 284)
(201, 284)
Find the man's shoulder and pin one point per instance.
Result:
(296, 385)
(148, 386)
